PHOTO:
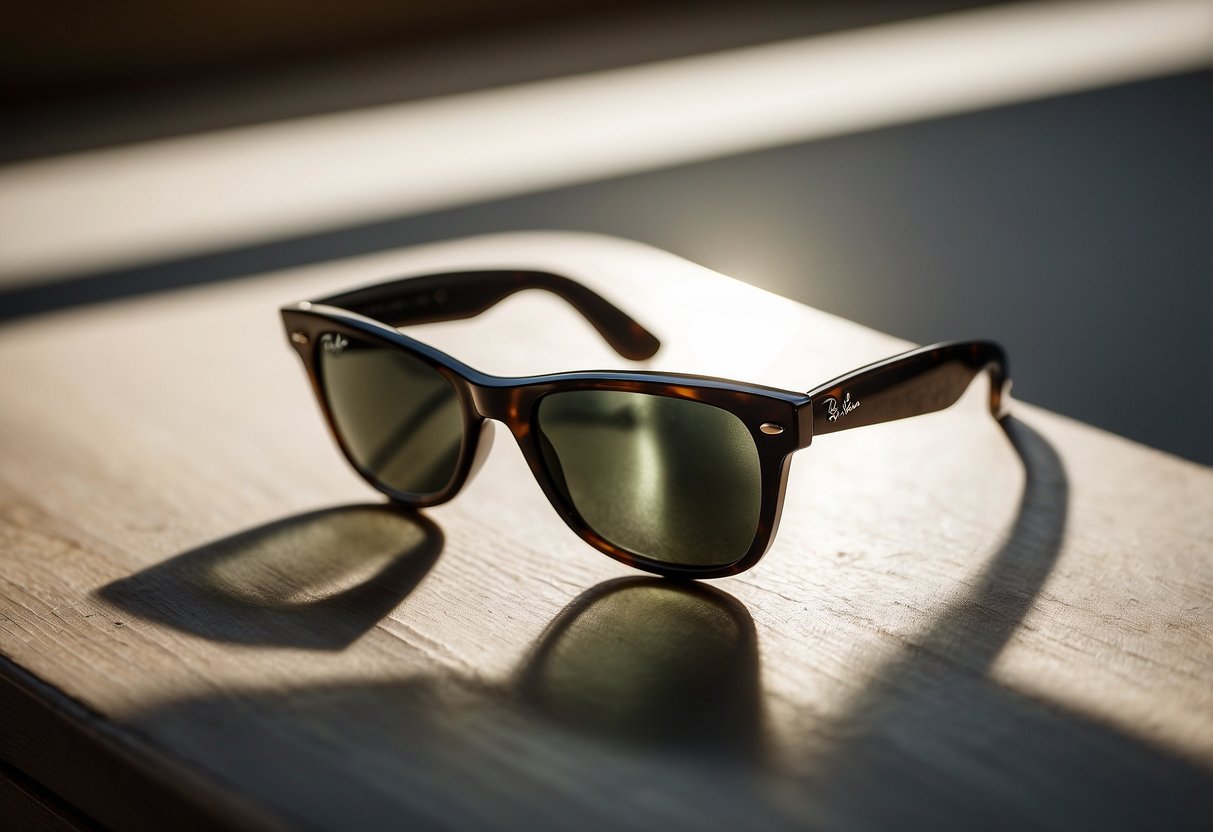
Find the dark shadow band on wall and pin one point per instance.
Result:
(214, 68)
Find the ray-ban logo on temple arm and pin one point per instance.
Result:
(835, 410)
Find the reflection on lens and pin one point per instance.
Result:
(670, 479)
(398, 416)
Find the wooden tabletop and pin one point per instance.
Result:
(207, 618)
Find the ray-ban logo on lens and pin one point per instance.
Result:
(835, 410)
(334, 344)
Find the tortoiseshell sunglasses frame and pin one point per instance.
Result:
(781, 422)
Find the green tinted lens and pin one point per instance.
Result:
(399, 417)
(669, 479)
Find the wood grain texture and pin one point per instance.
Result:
(959, 625)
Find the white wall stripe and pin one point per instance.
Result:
(138, 203)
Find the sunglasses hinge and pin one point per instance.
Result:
(804, 424)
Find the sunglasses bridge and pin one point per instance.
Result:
(501, 402)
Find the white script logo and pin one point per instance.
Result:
(834, 409)
(334, 344)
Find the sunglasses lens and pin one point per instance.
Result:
(672, 480)
(399, 418)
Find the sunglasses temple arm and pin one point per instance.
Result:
(920, 381)
(460, 295)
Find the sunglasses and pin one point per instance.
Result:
(680, 475)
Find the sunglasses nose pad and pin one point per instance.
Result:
(483, 445)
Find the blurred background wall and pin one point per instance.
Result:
(1076, 227)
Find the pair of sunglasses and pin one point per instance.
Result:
(680, 475)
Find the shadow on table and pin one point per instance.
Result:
(640, 705)
(317, 580)
(637, 695)
(935, 741)
(645, 662)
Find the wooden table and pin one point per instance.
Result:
(206, 618)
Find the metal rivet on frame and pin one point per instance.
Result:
(770, 428)
(299, 338)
